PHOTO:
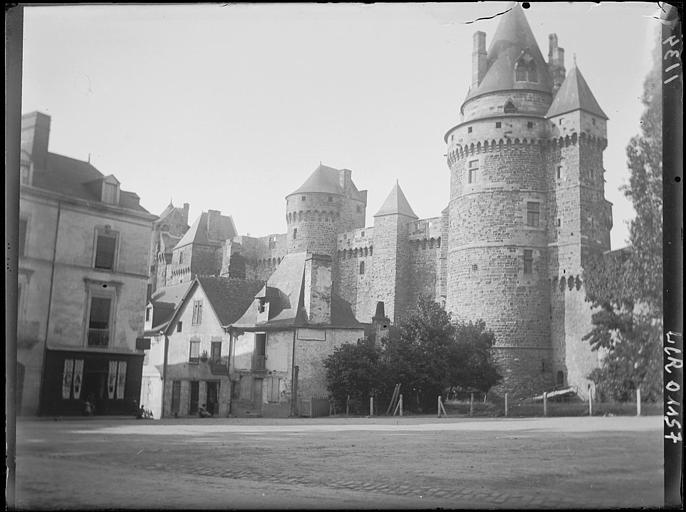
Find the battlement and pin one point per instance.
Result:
(460, 151)
(355, 239)
(425, 229)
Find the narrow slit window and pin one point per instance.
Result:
(528, 261)
(472, 171)
(533, 214)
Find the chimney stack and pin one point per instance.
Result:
(479, 57)
(380, 324)
(186, 207)
(318, 288)
(344, 178)
(212, 217)
(35, 133)
(556, 62)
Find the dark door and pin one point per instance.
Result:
(94, 387)
(213, 397)
(176, 397)
(257, 394)
(195, 394)
(216, 355)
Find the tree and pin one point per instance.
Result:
(354, 369)
(626, 286)
(426, 354)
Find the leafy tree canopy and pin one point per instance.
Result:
(626, 286)
(426, 354)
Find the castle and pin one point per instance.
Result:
(526, 210)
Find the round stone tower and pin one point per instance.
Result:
(327, 203)
(497, 252)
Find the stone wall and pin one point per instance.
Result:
(353, 271)
(489, 233)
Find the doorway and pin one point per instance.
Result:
(176, 397)
(195, 395)
(213, 397)
(257, 394)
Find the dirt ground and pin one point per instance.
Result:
(344, 463)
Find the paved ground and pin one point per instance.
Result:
(350, 463)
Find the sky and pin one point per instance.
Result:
(232, 107)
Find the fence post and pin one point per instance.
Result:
(590, 403)
(401, 405)
(347, 406)
(545, 403)
(638, 401)
(471, 404)
(371, 406)
(505, 404)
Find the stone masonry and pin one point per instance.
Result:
(527, 207)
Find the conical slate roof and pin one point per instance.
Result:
(323, 179)
(575, 94)
(396, 204)
(511, 40)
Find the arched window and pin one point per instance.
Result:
(525, 69)
(509, 107)
(361, 267)
(521, 71)
(560, 378)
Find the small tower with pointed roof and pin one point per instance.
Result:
(390, 266)
(327, 203)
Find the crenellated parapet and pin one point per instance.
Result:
(425, 229)
(566, 283)
(460, 151)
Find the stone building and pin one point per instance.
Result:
(167, 231)
(526, 210)
(187, 364)
(83, 270)
(294, 322)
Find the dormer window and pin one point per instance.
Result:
(261, 304)
(525, 69)
(110, 190)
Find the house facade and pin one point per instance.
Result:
(187, 365)
(281, 341)
(83, 270)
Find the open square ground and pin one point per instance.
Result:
(409, 462)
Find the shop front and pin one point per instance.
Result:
(102, 383)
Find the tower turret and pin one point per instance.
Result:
(497, 242)
(392, 254)
(327, 203)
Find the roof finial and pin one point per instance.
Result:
(574, 59)
(89, 158)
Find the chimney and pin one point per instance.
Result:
(318, 288)
(212, 218)
(35, 133)
(556, 62)
(186, 207)
(479, 57)
(380, 324)
(344, 178)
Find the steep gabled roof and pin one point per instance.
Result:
(229, 297)
(164, 302)
(75, 178)
(512, 39)
(396, 204)
(575, 94)
(222, 229)
(284, 291)
(324, 179)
